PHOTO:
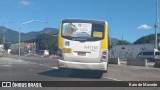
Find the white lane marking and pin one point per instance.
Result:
(48, 66)
(43, 65)
(54, 67)
(6, 65)
(112, 79)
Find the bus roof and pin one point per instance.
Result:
(84, 20)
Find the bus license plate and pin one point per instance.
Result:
(66, 50)
(81, 53)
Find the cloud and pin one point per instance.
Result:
(24, 3)
(144, 27)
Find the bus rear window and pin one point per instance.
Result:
(77, 29)
(85, 30)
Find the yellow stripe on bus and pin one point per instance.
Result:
(60, 39)
(104, 42)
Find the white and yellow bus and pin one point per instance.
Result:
(83, 44)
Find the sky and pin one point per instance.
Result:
(127, 19)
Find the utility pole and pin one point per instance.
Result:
(19, 35)
(110, 39)
(4, 38)
(122, 37)
(156, 25)
(4, 30)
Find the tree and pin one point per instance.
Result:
(47, 42)
(158, 47)
(7, 46)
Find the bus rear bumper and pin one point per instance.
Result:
(86, 66)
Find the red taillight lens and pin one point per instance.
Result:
(59, 51)
(104, 53)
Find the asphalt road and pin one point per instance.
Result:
(41, 69)
(45, 69)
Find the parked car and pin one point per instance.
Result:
(151, 55)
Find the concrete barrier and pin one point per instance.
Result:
(137, 62)
(114, 61)
(157, 63)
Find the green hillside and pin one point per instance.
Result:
(147, 39)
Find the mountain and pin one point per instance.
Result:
(12, 36)
(147, 39)
(9, 34)
(115, 41)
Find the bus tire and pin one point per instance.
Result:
(99, 75)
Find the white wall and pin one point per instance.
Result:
(129, 51)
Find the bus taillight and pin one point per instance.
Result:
(104, 56)
(104, 53)
(59, 52)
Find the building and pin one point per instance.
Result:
(25, 48)
(128, 51)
